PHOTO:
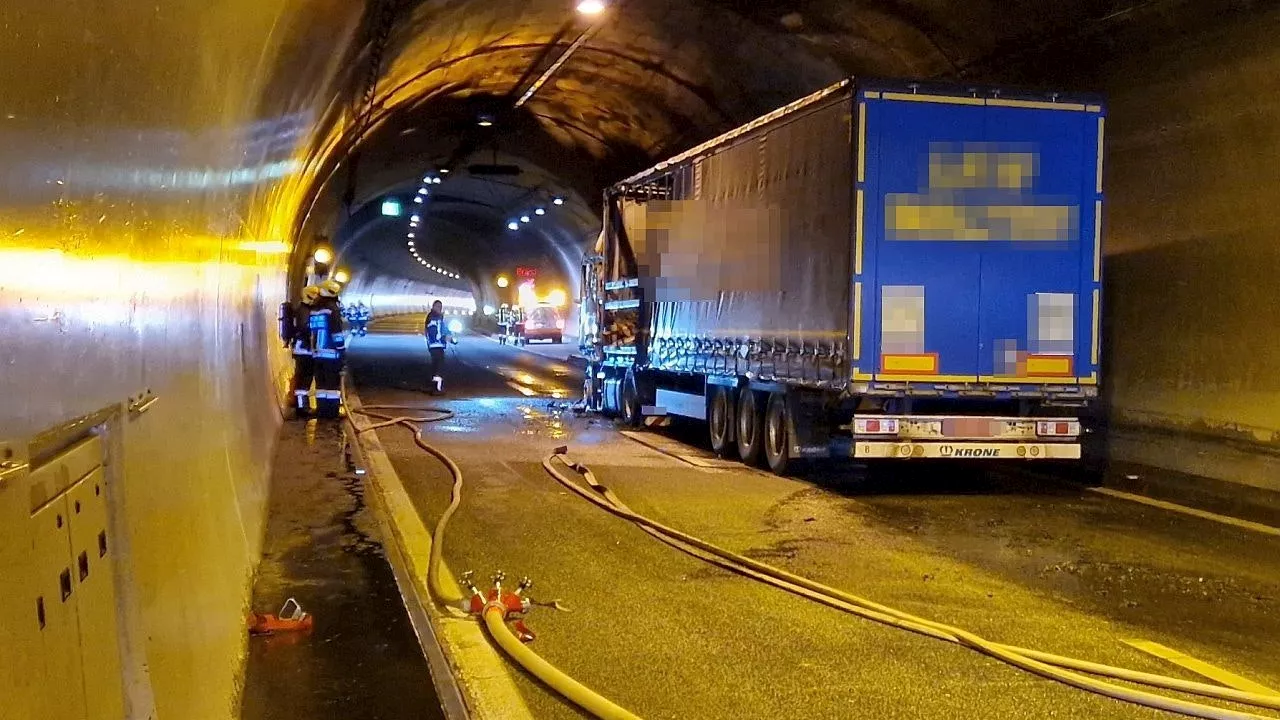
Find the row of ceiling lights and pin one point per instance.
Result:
(415, 221)
(589, 8)
(527, 217)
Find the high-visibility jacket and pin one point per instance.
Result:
(325, 335)
(437, 331)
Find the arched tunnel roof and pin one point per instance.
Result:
(646, 79)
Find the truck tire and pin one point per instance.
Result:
(720, 420)
(750, 417)
(631, 416)
(777, 437)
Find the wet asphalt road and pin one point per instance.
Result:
(1025, 561)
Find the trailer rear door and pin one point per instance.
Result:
(977, 240)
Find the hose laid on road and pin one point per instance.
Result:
(448, 593)
(445, 592)
(581, 695)
(1043, 664)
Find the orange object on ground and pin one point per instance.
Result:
(290, 619)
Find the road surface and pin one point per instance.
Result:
(1031, 562)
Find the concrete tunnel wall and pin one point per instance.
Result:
(142, 247)
(1192, 235)
(1190, 297)
(389, 295)
(148, 181)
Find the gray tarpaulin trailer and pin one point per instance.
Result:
(879, 270)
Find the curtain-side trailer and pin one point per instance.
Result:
(879, 270)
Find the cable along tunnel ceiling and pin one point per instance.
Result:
(651, 78)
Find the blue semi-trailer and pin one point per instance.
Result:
(880, 270)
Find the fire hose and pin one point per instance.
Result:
(1055, 667)
(498, 606)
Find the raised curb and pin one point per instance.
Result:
(472, 680)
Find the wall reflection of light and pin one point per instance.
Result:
(54, 286)
(265, 247)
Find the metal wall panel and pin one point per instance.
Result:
(95, 576)
(59, 667)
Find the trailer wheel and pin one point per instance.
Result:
(750, 422)
(720, 420)
(631, 401)
(777, 442)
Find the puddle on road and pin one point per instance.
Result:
(545, 417)
(531, 387)
(549, 422)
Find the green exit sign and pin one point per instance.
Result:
(391, 208)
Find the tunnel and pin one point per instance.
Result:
(167, 171)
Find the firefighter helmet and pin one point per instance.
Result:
(310, 294)
(330, 288)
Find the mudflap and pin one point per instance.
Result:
(810, 430)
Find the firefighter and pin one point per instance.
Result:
(293, 327)
(328, 343)
(438, 337)
(362, 316)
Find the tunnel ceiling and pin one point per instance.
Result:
(650, 78)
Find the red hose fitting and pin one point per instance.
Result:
(511, 604)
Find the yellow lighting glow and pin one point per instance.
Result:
(503, 281)
(591, 7)
(526, 296)
(342, 276)
(324, 255)
(557, 298)
(266, 247)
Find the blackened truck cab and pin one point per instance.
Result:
(877, 270)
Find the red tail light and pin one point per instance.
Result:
(875, 426)
(1058, 428)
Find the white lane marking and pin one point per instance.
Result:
(1200, 667)
(672, 449)
(1194, 512)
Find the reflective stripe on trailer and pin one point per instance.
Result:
(967, 451)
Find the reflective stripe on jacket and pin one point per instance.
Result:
(437, 331)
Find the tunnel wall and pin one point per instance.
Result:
(145, 205)
(1192, 254)
(396, 296)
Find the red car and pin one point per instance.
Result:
(544, 323)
